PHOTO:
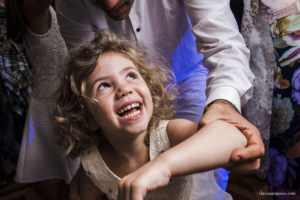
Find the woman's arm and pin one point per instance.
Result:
(74, 20)
(210, 147)
(33, 14)
(37, 15)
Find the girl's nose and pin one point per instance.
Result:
(123, 91)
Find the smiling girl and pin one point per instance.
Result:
(114, 111)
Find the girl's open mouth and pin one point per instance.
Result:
(131, 111)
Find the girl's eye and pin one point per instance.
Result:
(131, 76)
(103, 86)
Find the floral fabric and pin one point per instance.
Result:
(284, 163)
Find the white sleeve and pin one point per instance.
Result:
(73, 19)
(276, 5)
(226, 55)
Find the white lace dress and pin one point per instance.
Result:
(192, 187)
(40, 156)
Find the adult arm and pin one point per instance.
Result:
(223, 110)
(229, 83)
(74, 21)
(198, 152)
(225, 53)
(275, 5)
(37, 15)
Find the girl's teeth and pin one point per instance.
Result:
(132, 114)
(128, 108)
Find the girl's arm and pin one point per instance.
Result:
(209, 148)
(204, 150)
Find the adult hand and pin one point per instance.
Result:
(223, 110)
(147, 178)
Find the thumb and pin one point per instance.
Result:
(236, 155)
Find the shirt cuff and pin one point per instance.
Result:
(225, 93)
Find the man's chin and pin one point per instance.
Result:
(118, 17)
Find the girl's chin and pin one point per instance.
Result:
(136, 129)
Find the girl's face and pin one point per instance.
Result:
(124, 106)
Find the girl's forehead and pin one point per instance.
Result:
(115, 54)
(115, 59)
(110, 64)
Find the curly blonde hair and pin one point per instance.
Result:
(74, 122)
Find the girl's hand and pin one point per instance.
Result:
(147, 178)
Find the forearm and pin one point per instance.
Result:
(208, 148)
(37, 15)
(75, 24)
(226, 55)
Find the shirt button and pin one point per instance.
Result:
(138, 29)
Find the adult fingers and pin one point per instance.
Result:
(252, 151)
(255, 147)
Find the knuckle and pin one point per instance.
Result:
(128, 186)
(256, 130)
(122, 184)
(136, 185)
